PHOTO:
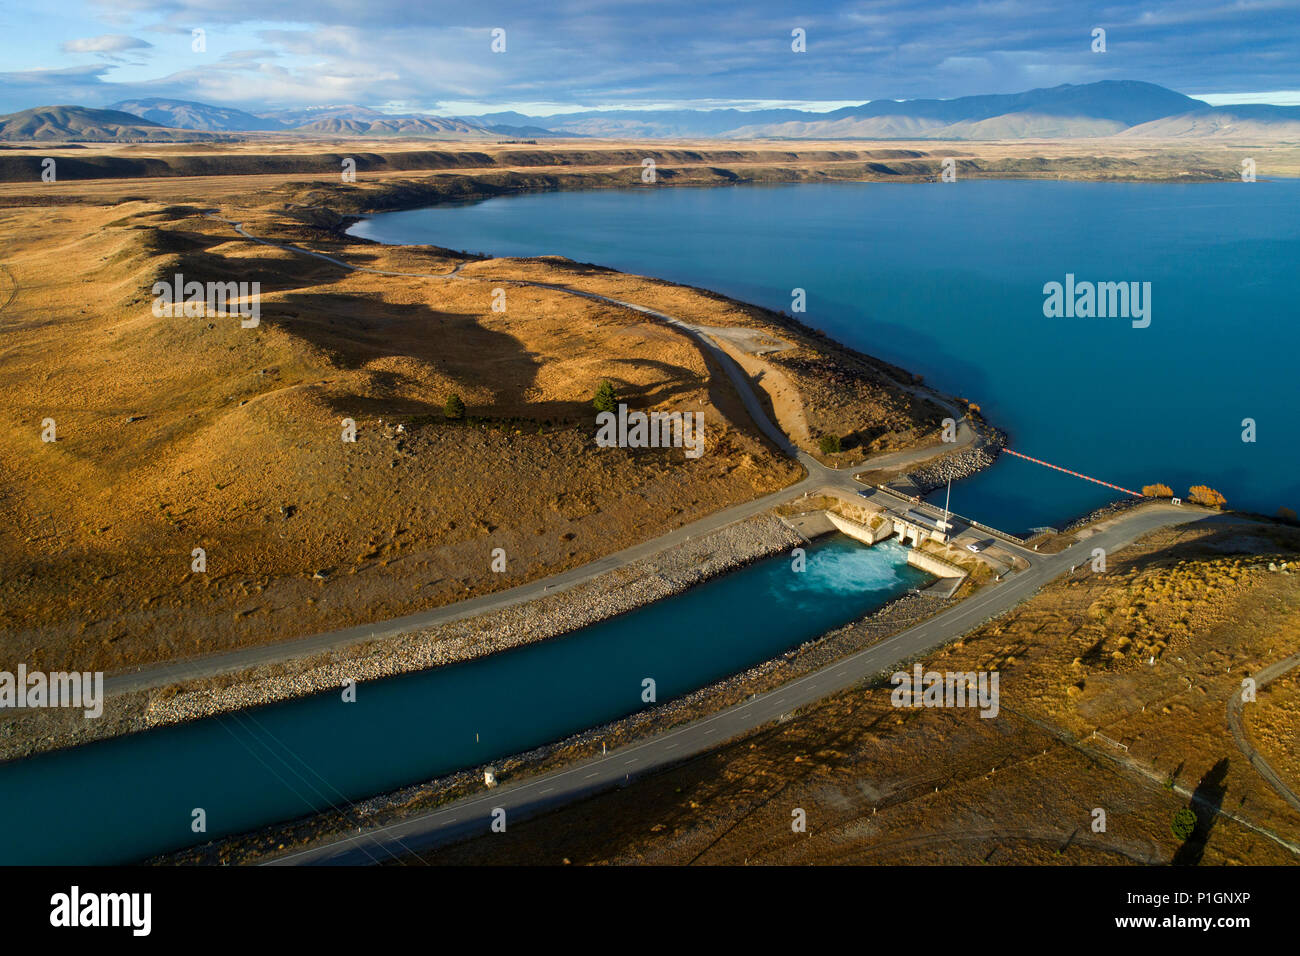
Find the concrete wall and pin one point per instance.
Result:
(859, 531)
(811, 524)
(935, 566)
(916, 533)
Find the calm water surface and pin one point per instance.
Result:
(946, 280)
(125, 799)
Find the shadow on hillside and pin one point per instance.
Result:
(1205, 803)
(1228, 536)
(392, 344)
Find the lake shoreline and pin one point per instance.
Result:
(916, 327)
(141, 711)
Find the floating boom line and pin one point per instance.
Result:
(1095, 481)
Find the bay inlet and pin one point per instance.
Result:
(947, 280)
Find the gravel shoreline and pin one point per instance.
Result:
(616, 592)
(1108, 510)
(982, 453)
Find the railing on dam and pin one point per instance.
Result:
(938, 512)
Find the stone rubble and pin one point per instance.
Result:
(895, 616)
(613, 593)
(976, 457)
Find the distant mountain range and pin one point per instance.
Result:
(648, 124)
(181, 114)
(1108, 108)
(1105, 108)
(78, 123)
(1095, 109)
(163, 120)
(324, 120)
(363, 121)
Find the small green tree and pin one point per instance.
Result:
(454, 408)
(829, 444)
(1184, 824)
(606, 399)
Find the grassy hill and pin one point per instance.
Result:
(82, 124)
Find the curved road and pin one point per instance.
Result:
(819, 477)
(1237, 724)
(472, 815)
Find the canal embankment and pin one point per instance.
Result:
(640, 583)
(891, 618)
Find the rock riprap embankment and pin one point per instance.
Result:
(615, 592)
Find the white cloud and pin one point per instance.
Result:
(105, 43)
(571, 54)
(1275, 98)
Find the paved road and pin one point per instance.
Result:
(472, 815)
(160, 675)
(818, 477)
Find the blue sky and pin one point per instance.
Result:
(571, 54)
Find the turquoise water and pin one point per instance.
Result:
(946, 280)
(125, 799)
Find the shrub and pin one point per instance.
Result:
(1157, 491)
(1205, 495)
(1287, 514)
(454, 408)
(606, 399)
(1184, 823)
(829, 444)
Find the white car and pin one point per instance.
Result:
(975, 546)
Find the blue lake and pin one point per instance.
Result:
(124, 799)
(947, 280)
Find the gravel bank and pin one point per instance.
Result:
(981, 453)
(613, 593)
(891, 618)
(1109, 510)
